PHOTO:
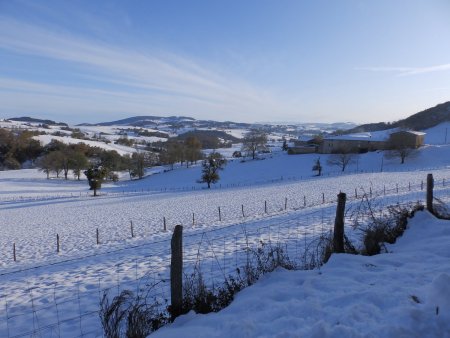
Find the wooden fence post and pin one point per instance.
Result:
(370, 191)
(165, 227)
(338, 237)
(14, 252)
(193, 219)
(430, 185)
(131, 229)
(265, 207)
(285, 203)
(220, 216)
(304, 200)
(384, 190)
(176, 272)
(243, 215)
(98, 237)
(57, 243)
(421, 185)
(323, 198)
(396, 187)
(356, 193)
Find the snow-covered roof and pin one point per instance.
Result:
(418, 133)
(305, 138)
(378, 137)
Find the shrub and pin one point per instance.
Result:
(385, 227)
(129, 315)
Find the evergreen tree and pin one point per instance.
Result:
(317, 167)
(211, 167)
(95, 176)
(284, 147)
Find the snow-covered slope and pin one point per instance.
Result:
(122, 150)
(404, 293)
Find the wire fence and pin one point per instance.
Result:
(61, 304)
(61, 246)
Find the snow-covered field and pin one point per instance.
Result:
(43, 287)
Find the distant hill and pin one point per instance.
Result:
(141, 121)
(422, 120)
(33, 120)
(210, 139)
(170, 122)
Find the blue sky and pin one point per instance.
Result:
(253, 60)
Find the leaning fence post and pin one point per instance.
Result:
(176, 272)
(430, 185)
(338, 237)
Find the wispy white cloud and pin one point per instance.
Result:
(157, 80)
(405, 71)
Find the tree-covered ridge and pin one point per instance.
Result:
(422, 120)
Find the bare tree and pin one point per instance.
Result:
(402, 152)
(78, 162)
(342, 158)
(193, 151)
(254, 141)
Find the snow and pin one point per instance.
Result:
(238, 133)
(380, 136)
(122, 150)
(404, 293)
(350, 296)
(439, 134)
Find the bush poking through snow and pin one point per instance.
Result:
(440, 209)
(199, 297)
(264, 259)
(129, 315)
(383, 227)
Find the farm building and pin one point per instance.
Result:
(363, 142)
(406, 138)
(304, 145)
